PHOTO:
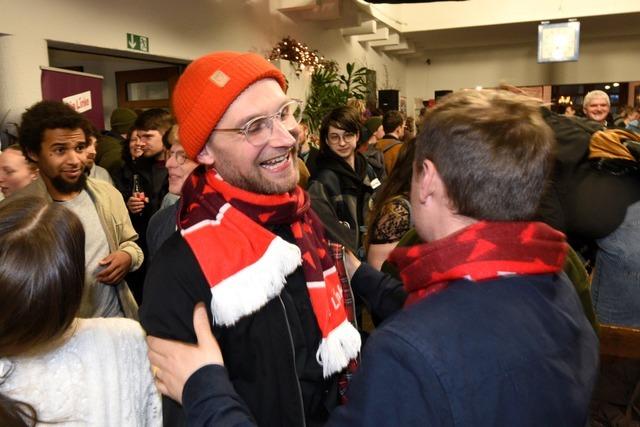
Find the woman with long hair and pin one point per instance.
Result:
(55, 368)
(390, 216)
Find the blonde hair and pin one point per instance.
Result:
(357, 104)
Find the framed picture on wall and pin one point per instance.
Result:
(558, 42)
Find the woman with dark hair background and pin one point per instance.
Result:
(344, 181)
(55, 368)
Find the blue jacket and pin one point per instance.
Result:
(512, 351)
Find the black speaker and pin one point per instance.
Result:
(388, 99)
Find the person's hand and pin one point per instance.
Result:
(116, 265)
(174, 362)
(135, 204)
(351, 262)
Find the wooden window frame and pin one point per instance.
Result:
(123, 78)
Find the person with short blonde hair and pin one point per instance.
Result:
(16, 171)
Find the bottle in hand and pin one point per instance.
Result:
(137, 191)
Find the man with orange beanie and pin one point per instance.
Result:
(251, 249)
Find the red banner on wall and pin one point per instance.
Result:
(82, 91)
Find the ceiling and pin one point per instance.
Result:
(521, 32)
(355, 20)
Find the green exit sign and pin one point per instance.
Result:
(137, 42)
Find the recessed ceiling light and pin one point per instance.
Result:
(616, 84)
(607, 87)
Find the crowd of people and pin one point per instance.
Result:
(382, 272)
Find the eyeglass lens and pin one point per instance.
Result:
(259, 130)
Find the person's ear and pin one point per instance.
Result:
(205, 156)
(426, 180)
(32, 155)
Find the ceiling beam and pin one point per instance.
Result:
(392, 40)
(399, 46)
(403, 52)
(381, 34)
(365, 28)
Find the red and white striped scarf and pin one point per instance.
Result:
(246, 265)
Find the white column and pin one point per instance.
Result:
(20, 59)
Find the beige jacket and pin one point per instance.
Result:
(117, 226)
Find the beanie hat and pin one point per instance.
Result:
(373, 124)
(365, 135)
(208, 86)
(122, 120)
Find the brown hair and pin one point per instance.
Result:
(625, 111)
(32, 165)
(391, 120)
(41, 282)
(154, 119)
(492, 150)
(170, 137)
(397, 183)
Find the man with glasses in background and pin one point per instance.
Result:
(249, 247)
(163, 223)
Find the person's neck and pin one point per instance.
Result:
(449, 225)
(57, 195)
(161, 156)
(304, 148)
(394, 134)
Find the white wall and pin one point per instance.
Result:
(176, 30)
(477, 13)
(189, 29)
(601, 60)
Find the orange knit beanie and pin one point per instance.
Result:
(208, 86)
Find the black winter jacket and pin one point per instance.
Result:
(340, 196)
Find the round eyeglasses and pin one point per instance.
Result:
(180, 157)
(334, 138)
(258, 130)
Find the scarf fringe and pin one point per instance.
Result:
(338, 348)
(250, 289)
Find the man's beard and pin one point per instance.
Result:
(66, 187)
(254, 182)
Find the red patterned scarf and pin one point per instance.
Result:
(484, 250)
(246, 265)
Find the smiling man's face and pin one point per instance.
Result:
(597, 109)
(270, 168)
(61, 161)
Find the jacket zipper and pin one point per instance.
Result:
(293, 351)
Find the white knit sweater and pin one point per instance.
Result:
(99, 377)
